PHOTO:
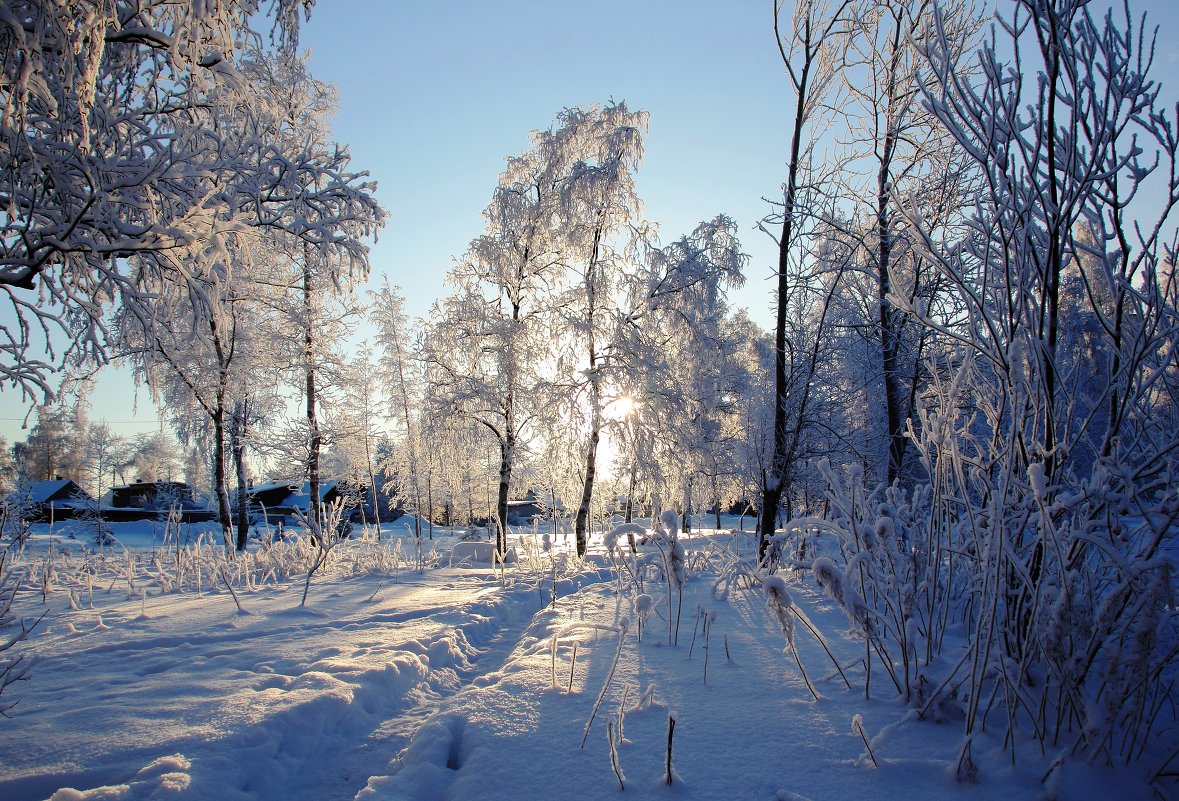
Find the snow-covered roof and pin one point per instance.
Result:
(44, 491)
(297, 497)
(270, 486)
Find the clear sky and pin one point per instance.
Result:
(434, 96)
(433, 105)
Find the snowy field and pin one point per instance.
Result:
(407, 676)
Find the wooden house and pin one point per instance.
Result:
(58, 499)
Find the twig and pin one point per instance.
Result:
(614, 756)
(671, 717)
(238, 603)
(695, 626)
(572, 665)
(858, 727)
(606, 684)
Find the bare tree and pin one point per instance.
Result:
(1067, 132)
(812, 52)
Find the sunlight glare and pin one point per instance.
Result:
(620, 408)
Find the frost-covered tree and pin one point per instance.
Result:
(400, 374)
(316, 253)
(104, 456)
(7, 467)
(155, 457)
(357, 439)
(898, 156)
(53, 446)
(1049, 495)
(601, 214)
(102, 165)
(750, 427)
(672, 355)
(190, 353)
(490, 340)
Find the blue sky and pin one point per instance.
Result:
(452, 89)
(432, 109)
(434, 96)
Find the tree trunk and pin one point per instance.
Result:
(315, 439)
(219, 478)
(774, 481)
(630, 489)
(412, 461)
(237, 437)
(889, 344)
(505, 478)
(888, 320)
(716, 500)
(580, 526)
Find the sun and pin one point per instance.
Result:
(620, 408)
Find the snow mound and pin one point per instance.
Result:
(164, 777)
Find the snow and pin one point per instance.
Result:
(41, 491)
(454, 683)
(478, 552)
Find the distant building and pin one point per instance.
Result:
(529, 508)
(280, 500)
(522, 513)
(148, 499)
(154, 495)
(58, 499)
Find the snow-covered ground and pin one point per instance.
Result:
(462, 682)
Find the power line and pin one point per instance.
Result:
(109, 422)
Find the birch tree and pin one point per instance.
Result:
(909, 160)
(189, 352)
(601, 213)
(315, 243)
(100, 167)
(400, 375)
(673, 357)
(192, 329)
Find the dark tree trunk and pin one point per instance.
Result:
(889, 340)
(219, 478)
(581, 522)
(773, 483)
(505, 480)
(630, 489)
(237, 440)
(315, 439)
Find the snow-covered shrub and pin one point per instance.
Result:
(877, 587)
(780, 604)
(18, 512)
(325, 532)
(644, 610)
(665, 537)
(1057, 583)
(1047, 436)
(14, 665)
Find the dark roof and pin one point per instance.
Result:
(62, 489)
(292, 496)
(144, 494)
